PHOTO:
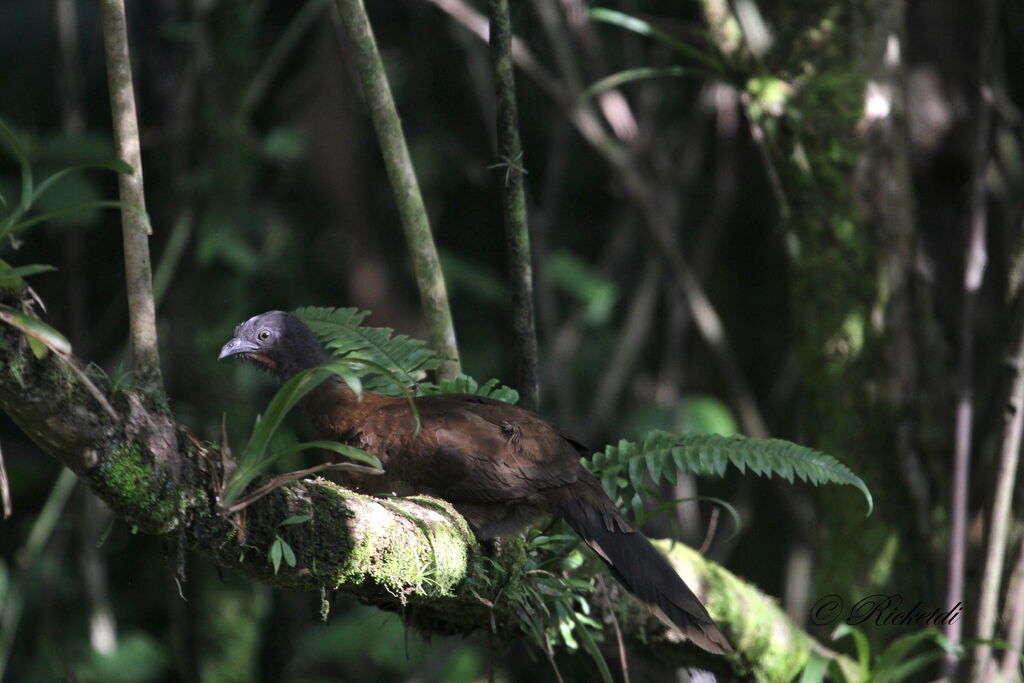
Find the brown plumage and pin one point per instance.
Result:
(502, 467)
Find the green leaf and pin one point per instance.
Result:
(464, 384)
(668, 505)
(575, 276)
(644, 28)
(35, 328)
(14, 278)
(860, 641)
(344, 335)
(37, 347)
(254, 459)
(893, 664)
(636, 470)
(295, 519)
(289, 555)
(340, 448)
(642, 73)
(111, 165)
(275, 553)
(27, 271)
(905, 669)
(637, 504)
(710, 453)
(654, 466)
(26, 168)
(587, 641)
(814, 670)
(84, 206)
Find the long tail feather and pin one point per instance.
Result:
(638, 565)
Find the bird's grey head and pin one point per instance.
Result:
(276, 341)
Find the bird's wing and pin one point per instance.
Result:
(486, 451)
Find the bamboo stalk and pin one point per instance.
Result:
(409, 200)
(135, 230)
(517, 231)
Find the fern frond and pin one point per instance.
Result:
(622, 468)
(342, 332)
(464, 384)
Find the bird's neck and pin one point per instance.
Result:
(336, 412)
(302, 359)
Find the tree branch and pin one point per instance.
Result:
(135, 229)
(408, 198)
(517, 231)
(414, 554)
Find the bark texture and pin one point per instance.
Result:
(135, 230)
(828, 99)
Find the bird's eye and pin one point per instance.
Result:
(264, 335)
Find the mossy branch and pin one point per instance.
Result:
(134, 227)
(409, 200)
(414, 554)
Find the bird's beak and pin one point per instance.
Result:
(235, 347)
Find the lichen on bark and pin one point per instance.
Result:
(850, 268)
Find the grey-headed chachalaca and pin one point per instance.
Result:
(502, 467)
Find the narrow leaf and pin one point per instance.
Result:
(26, 168)
(644, 28)
(339, 448)
(860, 641)
(814, 670)
(289, 555)
(74, 208)
(37, 347)
(36, 328)
(642, 73)
(27, 271)
(295, 519)
(275, 554)
(116, 165)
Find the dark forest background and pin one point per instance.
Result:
(823, 189)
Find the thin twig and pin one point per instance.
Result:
(974, 272)
(138, 277)
(409, 200)
(290, 38)
(712, 528)
(614, 105)
(619, 642)
(5, 489)
(1013, 412)
(279, 481)
(632, 338)
(513, 194)
(1006, 479)
(1015, 619)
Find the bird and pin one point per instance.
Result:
(502, 467)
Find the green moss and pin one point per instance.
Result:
(128, 483)
(16, 368)
(389, 545)
(817, 140)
